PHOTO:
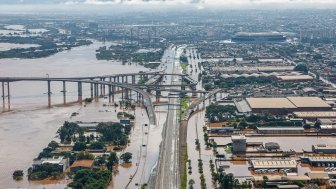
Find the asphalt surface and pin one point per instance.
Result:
(168, 176)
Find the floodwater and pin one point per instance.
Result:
(26, 130)
(9, 46)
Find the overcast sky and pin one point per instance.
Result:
(10, 6)
(204, 2)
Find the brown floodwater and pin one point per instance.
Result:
(26, 130)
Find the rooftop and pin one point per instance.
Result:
(280, 128)
(269, 103)
(289, 102)
(83, 163)
(305, 102)
(259, 34)
(53, 160)
(238, 137)
(282, 178)
(288, 186)
(322, 158)
(294, 77)
(328, 126)
(318, 175)
(324, 114)
(325, 146)
(268, 164)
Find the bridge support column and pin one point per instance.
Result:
(133, 79)
(122, 94)
(118, 79)
(64, 93)
(3, 97)
(131, 98)
(157, 96)
(101, 88)
(110, 93)
(104, 88)
(126, 94)
(49, 94)
(113, 92)
(91, 89)
(80, 92)
(8, 97)
(96, 92)
(203, 103)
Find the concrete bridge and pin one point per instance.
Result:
(126, 90)
(126, 83)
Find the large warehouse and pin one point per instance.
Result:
(274, 164)
(287, 105)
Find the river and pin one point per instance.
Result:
(26, 130)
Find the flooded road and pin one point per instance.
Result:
(26, 130)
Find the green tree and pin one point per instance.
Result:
(191, 183)
(79, 146)
(301, 68)
(84, 156)
(53, 145)
(265, 180)
(112, 160)
(68, 131)
(17, 174)
(113, 132)
(126, 157)
(97, 145)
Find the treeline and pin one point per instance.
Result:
(129, 53)
(236, 82)
(219, 113)
(46, 47)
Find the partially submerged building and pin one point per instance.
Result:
(60, 161)
(238, 143)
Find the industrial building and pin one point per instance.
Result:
(221, 130)
(319, 161)
(280, 130)
(60, 161)
(324, 148)
(328, 129)
(309, 103)
(238, 143)
(270, 105)
(275, 164)
(313, 115)
(287, 105)
(294, 77)
(262, 37)
(274, 180)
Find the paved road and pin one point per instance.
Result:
(168, 176)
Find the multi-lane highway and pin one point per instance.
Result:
(168, 168)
